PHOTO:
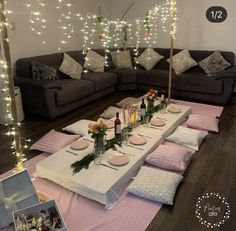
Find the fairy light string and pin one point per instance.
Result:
(11, 121)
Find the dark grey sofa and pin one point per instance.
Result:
(54, 98)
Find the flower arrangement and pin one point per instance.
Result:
(151, 96)
(98, 128)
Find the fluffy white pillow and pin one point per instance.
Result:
(149, 58)
(70, 67)
(203, 122)
(121, 59)
(126, 102)
(53, 141)
(110, 112)
(182, 61)
(188, 137)
(94, 62)
(155, 184)
(80, 127)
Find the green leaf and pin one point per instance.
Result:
(83, 163)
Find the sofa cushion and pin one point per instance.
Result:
(182, 61)
(214, 64)
(73, 90)
(71, 67)
(101, 80)
(198, 83)
(154, 77)
(125, 75)
(42, 71)
(94, 62)
(149, 58)
(121, 59)
(23, 66)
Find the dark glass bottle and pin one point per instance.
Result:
(143, 108)
(163, 103)
(117, 126)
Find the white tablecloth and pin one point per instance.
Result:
(101, 183)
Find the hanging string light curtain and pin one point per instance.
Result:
(37, 21)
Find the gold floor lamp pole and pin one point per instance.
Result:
(173, 11)
(15, 125)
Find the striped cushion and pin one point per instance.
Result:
(170, 156)
(53, 141)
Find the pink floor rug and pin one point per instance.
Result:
(81, 214)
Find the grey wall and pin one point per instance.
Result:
(25, 43)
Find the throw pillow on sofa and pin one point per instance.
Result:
(182, 61)
(70, 67)
(41, 71)
(149, 58)
(121, 59)
(155, 184)
(94, 62)
(214, 64)
(53, 141)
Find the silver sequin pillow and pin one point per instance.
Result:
(155, 184)
(70, 67)
(182, 61)
(214, 64)
(94, 62)
(121, 59)
(149, 58)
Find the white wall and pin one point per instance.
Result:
(194, 30)
(25, 43)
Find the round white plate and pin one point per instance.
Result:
(79, 145)
(137, 140)
(174, 110)
(158, 122)
(119, 160)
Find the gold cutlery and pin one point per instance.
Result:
(134, 147)
(88, 140)
(108, 166)
(75, 154)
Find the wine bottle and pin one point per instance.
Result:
(117, 125)
(142, 110)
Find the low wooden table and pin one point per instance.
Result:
(99, 182)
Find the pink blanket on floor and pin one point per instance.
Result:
(81, 214)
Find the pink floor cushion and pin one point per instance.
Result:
(170, 157)
(53, 141)
(203, 122)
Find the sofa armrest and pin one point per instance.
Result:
(44, 84)
(228, 73)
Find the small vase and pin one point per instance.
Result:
(150, 107)
(98, 148)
